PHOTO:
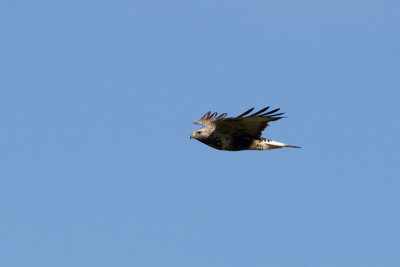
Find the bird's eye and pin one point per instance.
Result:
(198, 132)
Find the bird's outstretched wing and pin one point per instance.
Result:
(251, 125)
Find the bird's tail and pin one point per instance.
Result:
(275, 144)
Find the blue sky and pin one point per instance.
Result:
(97, 100)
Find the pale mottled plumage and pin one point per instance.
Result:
(238, 133)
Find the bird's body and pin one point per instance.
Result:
(239, 133)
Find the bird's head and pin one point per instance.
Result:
(200, 134)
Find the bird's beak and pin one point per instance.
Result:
(191, 136)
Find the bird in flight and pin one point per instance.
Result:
(238, 133)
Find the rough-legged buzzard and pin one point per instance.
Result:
(238, 133)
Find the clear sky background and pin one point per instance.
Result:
(97, 100)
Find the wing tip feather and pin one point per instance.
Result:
(245, 113)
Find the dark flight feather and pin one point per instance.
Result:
(247, 112)
(259, 112)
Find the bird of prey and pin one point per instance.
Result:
(238, 133)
